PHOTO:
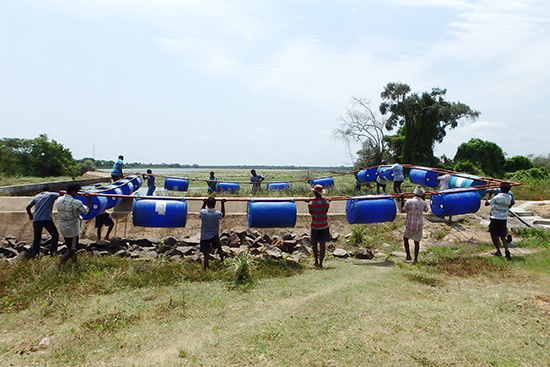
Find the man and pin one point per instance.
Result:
(398, 175)
(380, 181)
(414, 221)
(256, 179)
(116, 173)
(499, 215)
(70, 223)
(42, 218)
(320, 234)
(210, 227)
(212, 183)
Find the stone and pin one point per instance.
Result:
(234, 240)
(193, 240)
(363, 253)
(304, 250)
(334, 236)
(143, 242)
(339, 252)
(194, 258)
(186, 250)
(8, 252)
(273, 252)
(170, 241)
(149, 254)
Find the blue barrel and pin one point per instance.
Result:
(463, 180)
(271, 214)
(424, 177)
(99, 204)
(136, 182)
(370, 209)
(112, 190)
(385, 172)
(230, 187)
(454, 203)
(159, 213)
(125, 185)
(367, 175)
(176, 184)
(277, 186)
(323, 181)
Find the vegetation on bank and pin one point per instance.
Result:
(455, 308)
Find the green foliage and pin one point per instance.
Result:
(422, 119)
(517, 163)
(86, 164)
(242, 268)
(467, 167)
(36, 157)
(540, 173)
(484, 155)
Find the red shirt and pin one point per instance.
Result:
(318, 208)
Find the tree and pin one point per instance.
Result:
(36, 157)
(422, 120)
(517, 163)
(485, 155)
(360, 124)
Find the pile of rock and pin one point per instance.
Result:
(286, 245)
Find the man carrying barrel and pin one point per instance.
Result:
(499, 215)
(210, 227)
(116, 173)
(320, 234)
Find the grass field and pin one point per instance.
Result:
(455, 308)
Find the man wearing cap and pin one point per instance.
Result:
(318, 208)
(413, 223)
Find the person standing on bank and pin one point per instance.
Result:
(212, 183)
(42, 218)
(398, 175)
(320, 234)
(116, 173)
(150, 182)
(210, 228)
(414, 221)
(70, 223)
(256, 179)
(380, 181)
(499, 215)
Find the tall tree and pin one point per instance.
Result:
(421, 120)
(485, 155)
(361, 124)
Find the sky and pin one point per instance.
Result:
(264, 82)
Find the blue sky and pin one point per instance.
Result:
(263, 82)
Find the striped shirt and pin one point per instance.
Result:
(318, 208)
(414, 209)
(117, 168)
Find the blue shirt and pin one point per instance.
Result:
(210, 226)
(44, 205)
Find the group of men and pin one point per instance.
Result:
(69, 210)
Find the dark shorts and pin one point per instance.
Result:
(116, 177)
(103, 220)
(320, 235)
(498, 227)
(71, 243)
(209, 244)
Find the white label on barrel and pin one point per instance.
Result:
(160, 207)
